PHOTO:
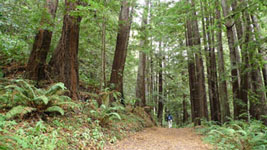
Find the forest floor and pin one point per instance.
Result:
(162, 139)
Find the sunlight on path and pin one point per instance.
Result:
(162, 139)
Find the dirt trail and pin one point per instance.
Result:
(162, 139)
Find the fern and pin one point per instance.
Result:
(27, 87)
(19, 110)
(105, 113)
(237, 135)
(55, 109)
(55, 88)
(25, 98)
(43, 99)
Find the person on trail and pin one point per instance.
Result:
(169, 119)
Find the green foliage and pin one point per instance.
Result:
(24, 98)
(236, 135)
(38, 137)
(105, 114)
(19, 110)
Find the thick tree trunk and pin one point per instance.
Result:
(35, 69)
(245, 78)
(216, 115)
(238, 109)
(116, 78)
(199, 67)
(261, 51)
(103, 53)
(185, 113)
(195, 105)
(258, 105)
(160, 102)
(211, 65)
(64, 62)
(141, 81)
(225, 110)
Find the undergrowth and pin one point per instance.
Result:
(236, 135)
(24, 98)
(89, 126)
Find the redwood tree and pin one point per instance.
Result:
(116, 78)
(229, 23)
(160, 88)
(208, 38)
(35, 69)
(64, 62)
(141, 79)
(225, 110)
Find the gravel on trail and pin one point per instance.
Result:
(162, 139)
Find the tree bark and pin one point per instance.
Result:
(103, 52)
(64, 62)
(244, 74)
(195, 105)
(258, 104)
(116, 78)
(199, 66)
(225, 110)
(160, 102)
(141, 81)
(233, 57)
(35, 69)
(185, 113)
(211, 64)
(263, 53)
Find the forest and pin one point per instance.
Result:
(100, 74)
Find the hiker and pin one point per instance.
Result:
(169, 119)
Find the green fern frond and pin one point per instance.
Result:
(114, 115)
(69, 104)
(59, 98)
(19, 110)
(41, 98)
(55, 109)
(103, 107)
(27, 86)
(20, 91)
(55, 88)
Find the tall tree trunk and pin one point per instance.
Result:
(185, 113)
(238, 109)
(225, 110)
(195, 106)
(199, 66)
(211, 64)
(64, 62)
(35, 69)
(244, 74)
(258, 104)
(116, 78)
(160, 101)
(261, 51)
(141, 81)
(216, 116)
(103, 52)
